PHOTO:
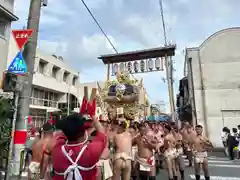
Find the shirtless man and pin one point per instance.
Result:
(146, 144)
(105, 170)
(188, 134)
(200, 146)
(134, 130)
(122, 160)
(170, 153)
(179, 149)
(38, 164)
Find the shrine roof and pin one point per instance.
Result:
(138, 55)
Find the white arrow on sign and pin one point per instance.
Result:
(216, 177)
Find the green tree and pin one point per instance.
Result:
(6, 111)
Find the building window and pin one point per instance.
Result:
(74, 81)
(55, 71)
(44, 98)
(65, 76)
(3, 26)
(41, 67)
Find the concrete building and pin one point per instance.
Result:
(55, 84)
(213, 75)
(6, 17)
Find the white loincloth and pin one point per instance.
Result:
(171, 153)
(145, 164)
(134, 151)
(34, 167)
(200, 156)
(123, 156)
(179, 151)
(105, 163)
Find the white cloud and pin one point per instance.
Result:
(67, 30)
(96, 44)
(52, 47)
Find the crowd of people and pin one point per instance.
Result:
(83, 148)
(231, 142)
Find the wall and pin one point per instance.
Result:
(8, 4)
(219, 58)
(4, 40)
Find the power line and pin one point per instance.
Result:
(163, 22)
(99, 26)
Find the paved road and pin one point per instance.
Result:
(220, 169)
(219, 166)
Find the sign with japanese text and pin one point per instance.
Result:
(18, 65)
(22, 36)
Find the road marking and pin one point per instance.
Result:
(215, 161)
(24, 174)
(225, 165)
(212, 157)
(222, 165)
(216, 177)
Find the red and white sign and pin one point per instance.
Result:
(22, 36)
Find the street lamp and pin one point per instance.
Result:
(150, 64)
(129, 67)
(115, 69)
(157, 63)
(136, 66)
(122, 67)
(142, 65)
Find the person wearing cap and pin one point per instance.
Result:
(74, 157)
(37, 163)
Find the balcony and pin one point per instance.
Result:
(44, 102)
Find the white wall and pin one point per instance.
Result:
(220, 61)
(4, 40)
(8, 4)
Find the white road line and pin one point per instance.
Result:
(215, 161)
(24, 174)
(225, 165)
(216, 177)
(222, 165)
(212, 158)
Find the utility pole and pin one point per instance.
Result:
(169, 66)
(29, 55)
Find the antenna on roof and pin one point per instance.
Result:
(60, 58)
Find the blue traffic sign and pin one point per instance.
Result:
(18, 65)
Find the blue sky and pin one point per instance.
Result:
(66, 29)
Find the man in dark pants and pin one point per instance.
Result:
(231, 141)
